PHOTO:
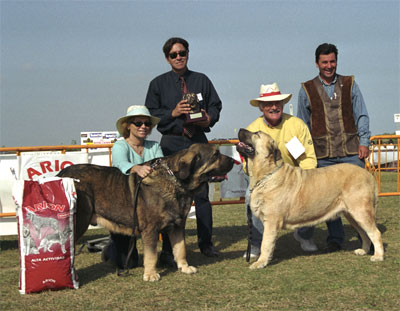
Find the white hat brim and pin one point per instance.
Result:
(282, 97)
(154, 122)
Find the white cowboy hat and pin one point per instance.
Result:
(269, 93)
(134, 111)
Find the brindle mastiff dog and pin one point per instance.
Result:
(105, 197)
(287, 197)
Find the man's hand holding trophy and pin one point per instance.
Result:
(195, 113)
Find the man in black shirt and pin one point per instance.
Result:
(164, 100)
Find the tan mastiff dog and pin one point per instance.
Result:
(287, 197)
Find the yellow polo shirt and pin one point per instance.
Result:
(289, 127)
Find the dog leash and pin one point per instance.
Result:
(249, 237)
(132, 242)
(249, 221)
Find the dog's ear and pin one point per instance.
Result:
(274, 150)
(185, 165)
(277, 154)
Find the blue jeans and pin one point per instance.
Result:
(335, 227)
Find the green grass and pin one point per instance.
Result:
(293, 281)
(389, 182)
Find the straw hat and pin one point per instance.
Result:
(134, 111)
(269, 93)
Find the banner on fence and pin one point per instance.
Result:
(33, 165)
(104, 137)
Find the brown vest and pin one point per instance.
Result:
(332, 122)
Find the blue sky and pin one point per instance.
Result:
(73, 66)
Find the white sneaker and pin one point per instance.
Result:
(254, 252)
(306, 245)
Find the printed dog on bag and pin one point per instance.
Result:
(29, 242)
(40, 222)
(56, 238)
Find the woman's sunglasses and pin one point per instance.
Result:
(140, 123)
(175, 54)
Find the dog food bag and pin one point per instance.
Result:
(45, 214)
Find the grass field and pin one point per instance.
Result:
(294, 280)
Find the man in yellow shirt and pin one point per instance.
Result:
(282, 128)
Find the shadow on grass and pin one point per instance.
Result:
(8, 244)
(286, 246)
(94, 272)
(224, 237)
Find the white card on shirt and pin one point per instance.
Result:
(295, 147)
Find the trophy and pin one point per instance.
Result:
(195, 113)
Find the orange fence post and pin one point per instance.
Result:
(387, 160)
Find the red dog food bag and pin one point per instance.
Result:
(45, 213)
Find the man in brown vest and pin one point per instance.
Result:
(333, 108)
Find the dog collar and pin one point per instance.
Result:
(169, 171)
(266, 177)
(165, 165)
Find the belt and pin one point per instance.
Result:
(188, 132)
(175, 134)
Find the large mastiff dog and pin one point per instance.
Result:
(105, 197)
(287, 197)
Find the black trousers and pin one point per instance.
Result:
(118, 248)
(170, 145)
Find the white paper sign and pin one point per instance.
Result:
(295, 147)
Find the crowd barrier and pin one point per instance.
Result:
(384, 157)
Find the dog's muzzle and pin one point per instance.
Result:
(245, 150)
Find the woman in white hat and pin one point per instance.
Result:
(128, 154)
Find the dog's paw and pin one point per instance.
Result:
(189, 269)
(151, 277)
(258, 265)
(376, 258)
(360, 252)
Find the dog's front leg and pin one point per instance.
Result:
(267, 244)
(177, 239)
(149, 240)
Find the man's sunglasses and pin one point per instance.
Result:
(140, 123)
(175, 54)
